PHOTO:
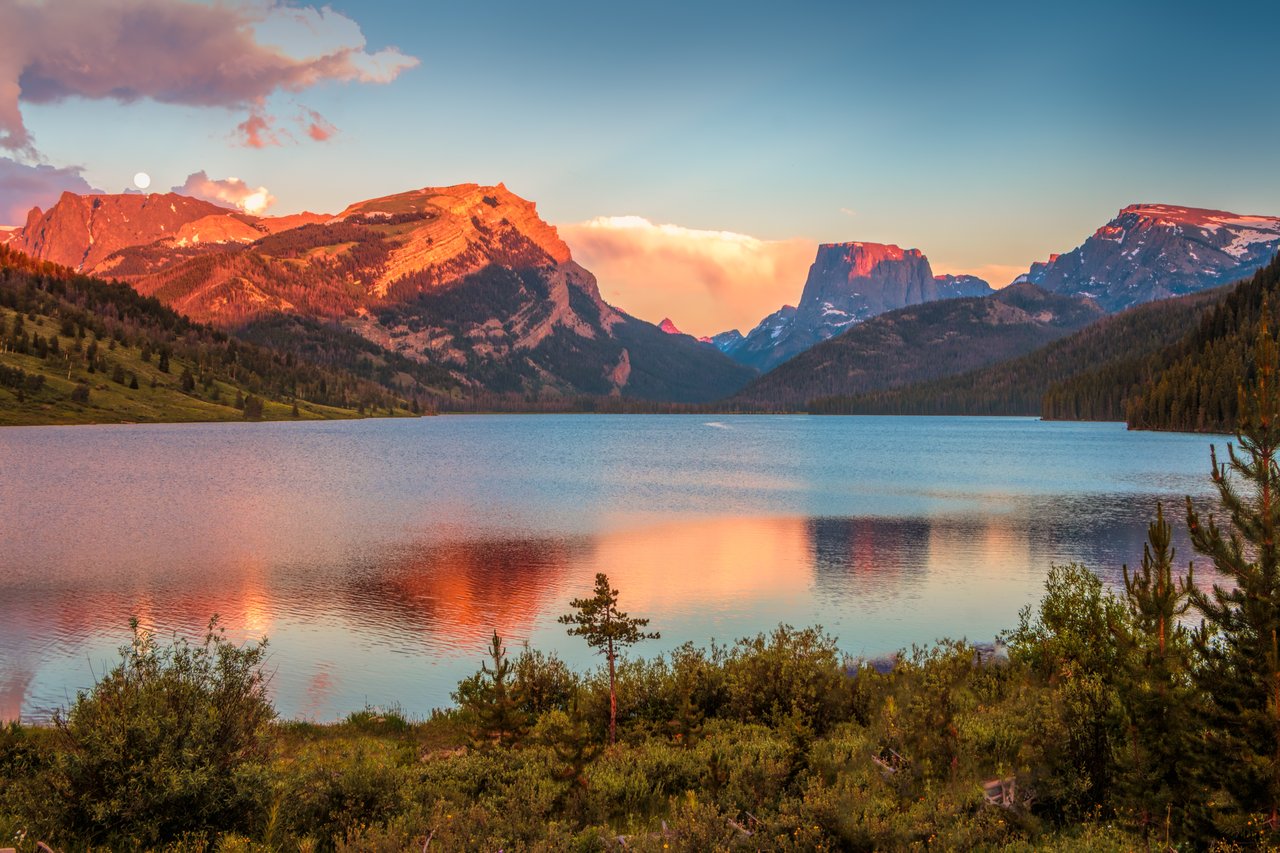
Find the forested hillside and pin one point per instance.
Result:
(1198, 387)
(921, 343)
(75, 349)
(1170, 365)
(1120, 352)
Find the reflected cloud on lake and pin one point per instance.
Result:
(378, 557)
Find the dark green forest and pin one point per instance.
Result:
(1198, 387)
(1120, 348)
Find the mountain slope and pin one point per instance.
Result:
(74, 349)
(466, 280)
(848, 283)
(922, 342)
(1122, 351)
(1154, 251)
(1195, 386)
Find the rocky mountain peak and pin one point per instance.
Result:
(1153, 251)
(80, 231)
(847, 284)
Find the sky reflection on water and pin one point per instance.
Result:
(379, 555)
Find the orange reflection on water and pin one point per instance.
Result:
(336, 629)
(463, 591)
(706, 563)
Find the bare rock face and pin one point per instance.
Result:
(1154, 251)
(848, 283)
(81, 231)
(467, 277)
(461, 230)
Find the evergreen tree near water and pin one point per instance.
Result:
(1239, 643)
(608, 630)
(489, 700)
(1156, 782)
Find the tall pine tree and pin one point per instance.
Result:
(1238, 644)
(1155, 784)
(608, 630)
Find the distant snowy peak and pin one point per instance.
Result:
(669, 327)
(1154, 251)
(726, 342)
(960, 286)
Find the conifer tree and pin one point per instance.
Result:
(1155, 784)
(1238, 643)
(608, 630)
(490, 701)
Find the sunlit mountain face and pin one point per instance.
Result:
(468, 280)
(1154, 251)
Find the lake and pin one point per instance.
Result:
(378, 555)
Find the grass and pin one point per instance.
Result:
(113, 402)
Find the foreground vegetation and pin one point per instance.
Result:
(1102, 721)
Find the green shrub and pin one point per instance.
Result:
(768, 677)
(329, 792)
(171, 742)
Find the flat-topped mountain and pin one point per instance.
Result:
(466, 277)
(922, 342)
(1154, 251)
(848, 283)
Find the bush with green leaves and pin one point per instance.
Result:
(172, 741)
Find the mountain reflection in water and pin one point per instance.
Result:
(378, 559)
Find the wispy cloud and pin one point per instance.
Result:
(226, 54)
(231, 192)
(706, 281)
(257, 131)
(318, 128)
(23, 187)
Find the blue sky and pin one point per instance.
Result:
(986, 134)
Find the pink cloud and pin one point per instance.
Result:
(257, 131)
(185, 52)
(707, 281)
(23, 187)
(231, 192)
(318, 128)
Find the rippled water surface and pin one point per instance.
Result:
(378, 555)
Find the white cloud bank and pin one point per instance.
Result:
(705, 281)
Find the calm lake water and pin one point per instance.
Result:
(378, 555)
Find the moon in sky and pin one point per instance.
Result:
(142, 180)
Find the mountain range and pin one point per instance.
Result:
(1154, 251)
(921, 342)
(464, 296)
(848, 283)
(466, 278)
